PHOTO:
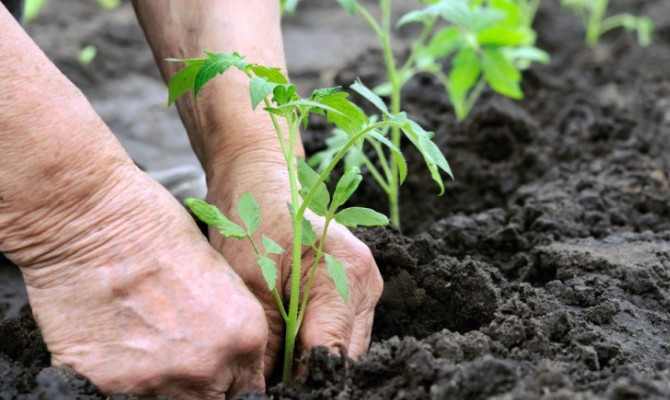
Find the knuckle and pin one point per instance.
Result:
(362, 265)
(251, 334)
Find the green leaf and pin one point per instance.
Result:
(212, 216)
(216, 64)
(345, 187)
(458, 13)
(363, 90)
(308, 236)
(183, 80)
(430, 149)
(395, 152)
(444, 42)
(259, 89)
(308, 177)
(349, 5)
(415, 133)
(284, 94)
(249, 212)
(271, 247)
(32, 9)
(385, 89)
(462, 77)
(269, 270)
(319, 94)
(505, 36)
(360, 216)
(110, 4)
(348, 116)
(270, 74)
(424, 15)
(334, 144)
(339, 275)
(645, 28)
(501, 74)
(87, 55)
(485, 18)
(526, 54)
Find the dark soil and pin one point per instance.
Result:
(544, 271)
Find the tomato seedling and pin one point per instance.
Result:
(485, 42)
(596, 23)
(268, 86)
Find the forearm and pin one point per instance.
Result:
(222, 126)
(55, 150)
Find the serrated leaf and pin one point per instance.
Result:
(319, 94)
(269, 271)
(349, 5)
(216, 64)
(501, 74)
(429, 148)
(363, 90)
(270, 74)
(415, 133)
(283, 94)
(183, 80)
(249, 212)
(308, 237)
(272, 247)
(354, 217)
(213, 217)
(339, 276)
(349, 117)
(308, 177)
(259, 89)
(346, 186)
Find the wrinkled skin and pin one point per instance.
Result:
(328, 320)
(142, 314)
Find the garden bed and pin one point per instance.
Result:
(543, 272)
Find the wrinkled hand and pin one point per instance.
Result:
(328, 320)
(134, 298)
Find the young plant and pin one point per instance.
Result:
(268, 86)
(487, 42)
(596, 23)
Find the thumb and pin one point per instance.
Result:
(328, 320)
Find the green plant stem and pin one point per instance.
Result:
(280, 304)
(395, 108)
(382, 159)
(340, 154)
(593, 29)
(375, 174)
(312, 272)
(418, 45)
(383, 32)
(613, 22)
(291, 319)
(474, 95)
(291, 323)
